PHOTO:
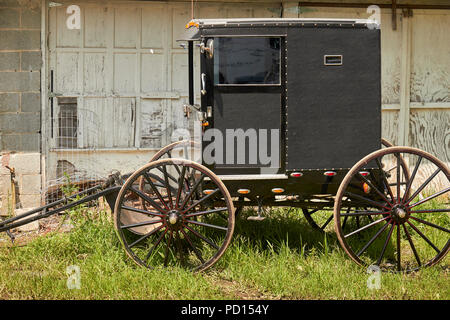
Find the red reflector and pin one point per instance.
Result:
(296, 174)
(364, 173)
(330, 173)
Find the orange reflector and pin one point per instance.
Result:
(364, 173)
(191, 24)
(208, 191)
(366, 188)
(205, 123)
(296, 174)
(277, 190)
(329, 173)
(244, 191)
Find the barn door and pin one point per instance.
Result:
(242, 79)
(93, 68)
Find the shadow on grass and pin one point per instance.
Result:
(288, 227)
(282, 227)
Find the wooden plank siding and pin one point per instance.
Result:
(128, 72)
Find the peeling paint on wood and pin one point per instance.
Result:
(430, 76)
(430, 131)
(389, 126)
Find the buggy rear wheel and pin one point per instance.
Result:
(191, 222)
(411, 223)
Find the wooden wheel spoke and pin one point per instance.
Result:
(424, 237)
(166, 178)
(207, 225)
(201, 200)
(430, 197)
(146, 236)
(167, 251)
(363, 213)
(200, 213)
(162, 182)
(397, 155)
(146, 223)
(155, 245)
(166, 174)
(365, 227)
(423, 185)
(193, 190)
(431, 224)
(411, 244)
(411, 179)
(155, 190)
(180, 186)
(141, 211)
(429, 211)
(147, 198)
(208, 241)
(375, 203)
(385, 180)
(385, 244)
(197, 253)
(372, 239)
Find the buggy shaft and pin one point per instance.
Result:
(11, 223)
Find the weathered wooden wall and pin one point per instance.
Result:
(129, 74)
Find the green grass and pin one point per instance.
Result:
(278, 258)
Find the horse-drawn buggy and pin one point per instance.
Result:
(290, 115)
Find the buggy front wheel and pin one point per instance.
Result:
(189, 224)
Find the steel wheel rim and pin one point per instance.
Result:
(180, 223)
(398, 224)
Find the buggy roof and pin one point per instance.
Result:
(283, 22)
(195, 33)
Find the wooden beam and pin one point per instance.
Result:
(394, 15)
(405, 80)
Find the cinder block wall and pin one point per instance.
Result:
(20, 105)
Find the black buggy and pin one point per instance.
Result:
(290, 115)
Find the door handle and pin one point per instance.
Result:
(203, 91)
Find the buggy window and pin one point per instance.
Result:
(246, 60)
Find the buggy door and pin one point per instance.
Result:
(243, 83)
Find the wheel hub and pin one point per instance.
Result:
(174, 219)
(399, 214)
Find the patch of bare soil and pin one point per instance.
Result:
(56, 223)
